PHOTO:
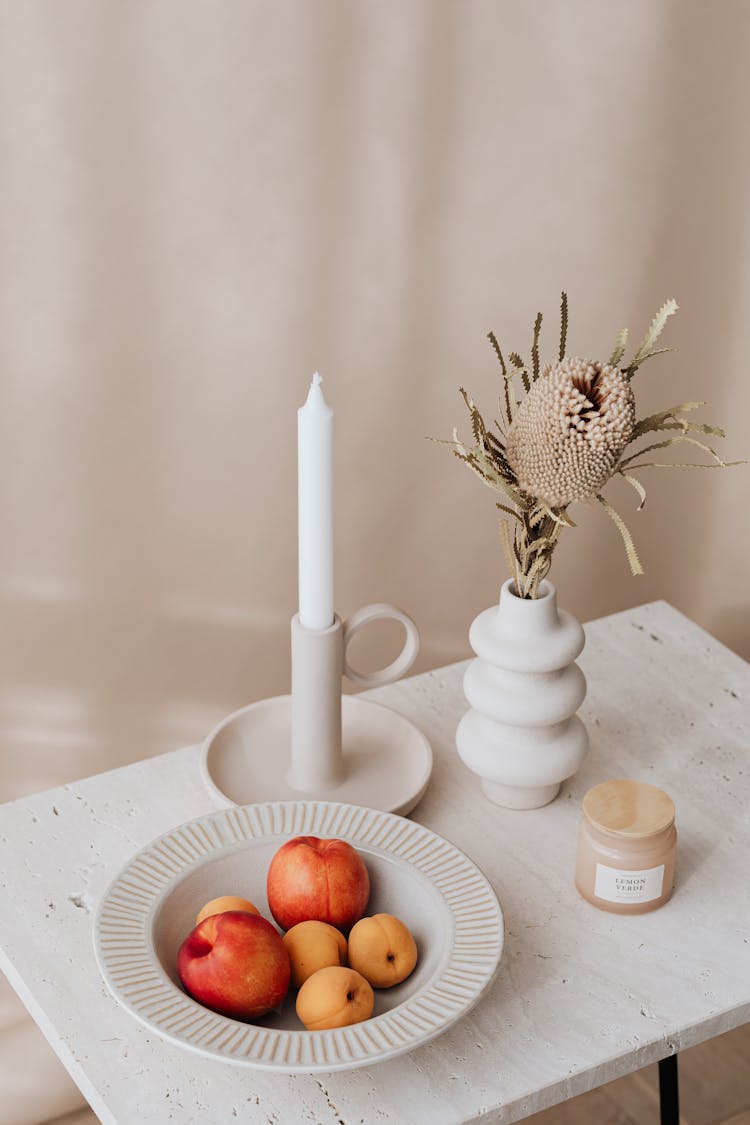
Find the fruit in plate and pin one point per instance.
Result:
(383, 950)
(334, 997)
(325, 880)
(311, 946)
(235, 963)
(226, 902)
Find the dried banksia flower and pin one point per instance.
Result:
(564, 440)
(570, 431)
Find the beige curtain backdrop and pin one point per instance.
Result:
(201, 203)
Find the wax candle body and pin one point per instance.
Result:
(315, 497)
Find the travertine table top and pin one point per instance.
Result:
(582, 997)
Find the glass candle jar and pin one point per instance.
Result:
(626, 847)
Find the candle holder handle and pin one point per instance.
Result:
(381, 611)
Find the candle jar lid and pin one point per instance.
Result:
(629, 809)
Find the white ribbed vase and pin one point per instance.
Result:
(522, 735)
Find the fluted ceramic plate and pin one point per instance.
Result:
(421, 878)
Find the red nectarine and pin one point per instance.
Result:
(235, 963)
(325, 880)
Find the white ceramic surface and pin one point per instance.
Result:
(150, 908)
(386, 761)
(521, 735)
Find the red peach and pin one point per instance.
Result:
(235, 963)
(324, 880)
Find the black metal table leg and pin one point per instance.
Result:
(669, 1094)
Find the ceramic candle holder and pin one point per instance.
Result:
(317, 742)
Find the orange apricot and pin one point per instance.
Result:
(223, 904)
(311, 946)
(334, 997)
(383, 950)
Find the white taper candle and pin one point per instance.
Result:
(315, 498)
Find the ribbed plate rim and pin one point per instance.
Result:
(136, 979)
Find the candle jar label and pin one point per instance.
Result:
(614, 885)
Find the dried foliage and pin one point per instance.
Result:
(568, 428)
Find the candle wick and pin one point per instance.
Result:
(315, 400)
